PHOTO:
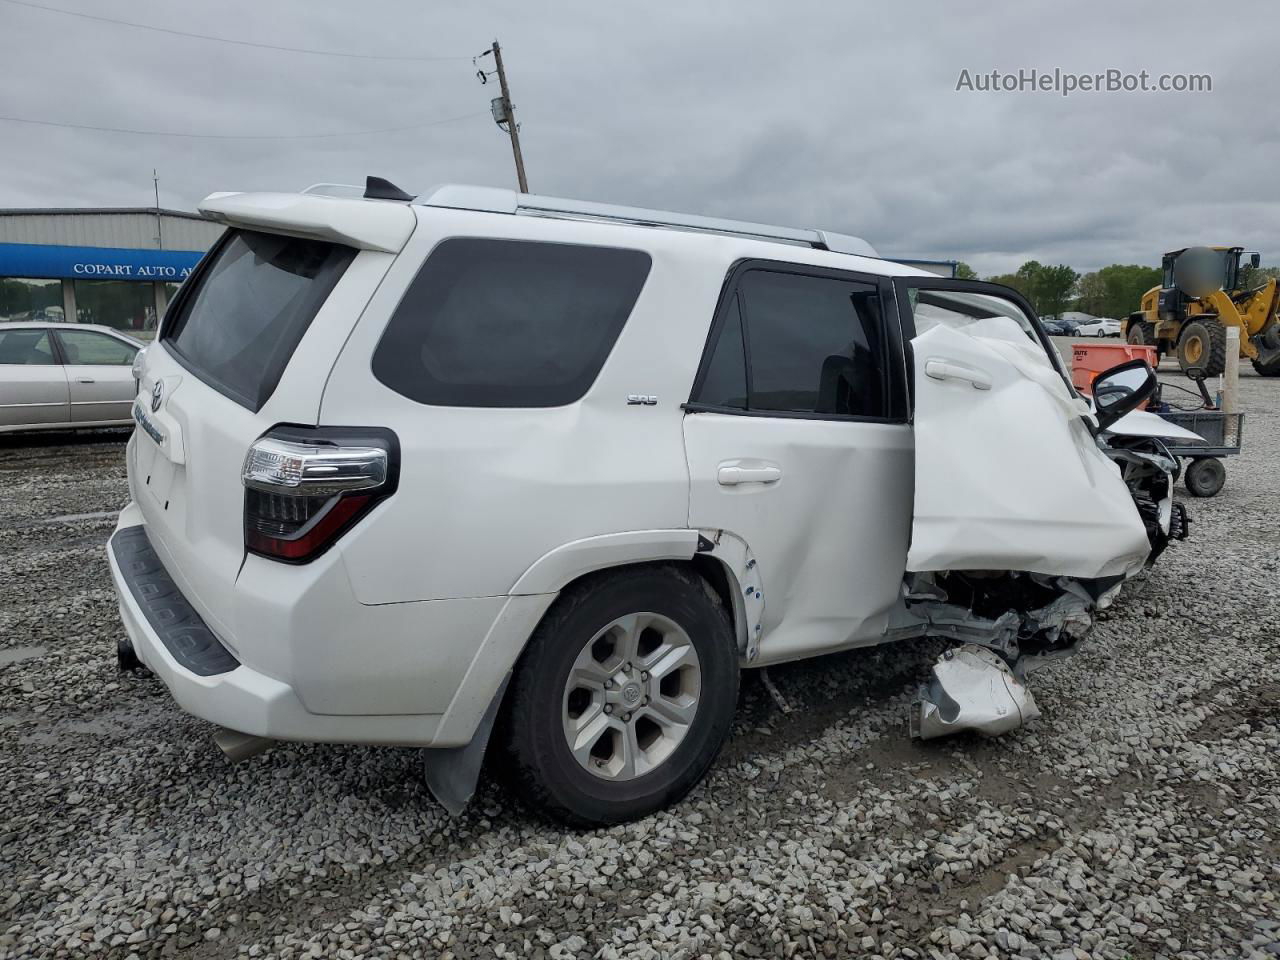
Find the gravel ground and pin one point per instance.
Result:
(1140, 817)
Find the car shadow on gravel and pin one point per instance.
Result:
(58, 438)
(822, 691)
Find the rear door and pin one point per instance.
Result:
(99, 370)
(33, 387)
(247, 344)
(798, 443)
(1008, 474)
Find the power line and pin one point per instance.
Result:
(251, 136)
(241, 43)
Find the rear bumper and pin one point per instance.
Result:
(231, 694)
(169, 615)
(309, 662)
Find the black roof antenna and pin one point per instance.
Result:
(376, 188)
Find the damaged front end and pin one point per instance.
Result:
(1150, 471)
(972, 689)
(1032, 503)
(1008, 624)
(1026, 618)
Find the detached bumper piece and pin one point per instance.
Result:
(184, 634)
(972, 689)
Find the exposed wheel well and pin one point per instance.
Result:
(714, 573)
(721, 580)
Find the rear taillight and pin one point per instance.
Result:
(304, 487)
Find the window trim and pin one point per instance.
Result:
(897, 401)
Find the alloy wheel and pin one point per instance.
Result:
(631, 696)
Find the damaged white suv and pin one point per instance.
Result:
(408, 470)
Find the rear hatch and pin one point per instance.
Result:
(247, 344)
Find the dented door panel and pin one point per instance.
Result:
(829, 530)
(1008, 474)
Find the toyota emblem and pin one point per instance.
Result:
(157, 394)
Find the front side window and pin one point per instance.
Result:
(979, 315)
(807, 344)
(85, 347)
(25, 347)
(508, 323)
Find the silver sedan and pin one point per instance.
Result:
(65, 375)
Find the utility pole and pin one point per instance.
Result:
(155, 179)
(505, 112)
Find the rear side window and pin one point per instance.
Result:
(508, 323)
(26, 347)
(238, 324)
(803, 344)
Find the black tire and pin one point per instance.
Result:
(1267, 370)
(1205, 476)
(544, 768)
(1141, 333)
(1203, 344)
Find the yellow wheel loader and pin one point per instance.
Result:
(1199, 297)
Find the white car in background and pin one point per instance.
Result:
(58, 376)
(1098, 327)
(418, 470)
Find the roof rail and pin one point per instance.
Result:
(508, 201)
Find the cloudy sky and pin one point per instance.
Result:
(840, 115)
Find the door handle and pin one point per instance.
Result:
(731, 474)
(84, 380)
(951, 370)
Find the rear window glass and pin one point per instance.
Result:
(237, 326)
(508, 323)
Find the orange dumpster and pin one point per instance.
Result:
(1090, 359)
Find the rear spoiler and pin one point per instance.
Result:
(365, 224)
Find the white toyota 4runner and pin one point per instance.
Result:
(415, 470)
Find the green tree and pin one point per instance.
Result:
(1125, 284)
(1048, 288)
(1029, 283)
(965, 272)
(1251, 277)
(1054, 287)
(1091, 294)
(1008, 280)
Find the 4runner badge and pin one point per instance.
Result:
(157, 394)
(638, 399)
